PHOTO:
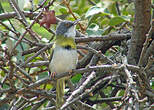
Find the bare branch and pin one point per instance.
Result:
(103, 38)
(18, 11)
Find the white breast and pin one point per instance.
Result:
(63, 60)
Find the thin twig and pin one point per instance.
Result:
(132, 89)
(9, 15)
(81, 88)
(145, 45)
(67, 103)
(18, 11)
(16, 33)
(71, 12)
(23, 35)
(36, 54)
(99, 54)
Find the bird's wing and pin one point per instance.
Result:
(75, 60)
(51, 55)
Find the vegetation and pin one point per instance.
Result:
(115, 44)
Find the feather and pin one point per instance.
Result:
(60, 87)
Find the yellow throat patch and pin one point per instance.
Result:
(65, 41)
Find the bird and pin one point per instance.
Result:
(64, 55)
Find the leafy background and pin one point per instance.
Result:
(98, 18)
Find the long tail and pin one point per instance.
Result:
(60, 86)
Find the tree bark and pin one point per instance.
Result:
(141, 27)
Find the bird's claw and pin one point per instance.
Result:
(70, 72)
(52, 75)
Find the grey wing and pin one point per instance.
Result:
(51, 56)
(75, 60)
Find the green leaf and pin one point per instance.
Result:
(41, 1)
(5, 86)
(37, 2)
(71, 18)
(28, 108)
(4, 107)
(2, 73)
(6, 6)
(116, 20)
(41, 31)
(93, 30)
(43, 75)
(76, 78)
(21, 4)
(130, 9)
(93, 10)
(121, 93)
(82, 4)
(107, 90)
(49, 86)
(105, 21)
(63, 10)
(1, 8)
(112, 9)
(126, 18)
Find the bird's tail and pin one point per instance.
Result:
(60, 87)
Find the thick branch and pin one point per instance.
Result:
(103, 38)
(141, 27)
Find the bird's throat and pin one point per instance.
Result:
(66, 42)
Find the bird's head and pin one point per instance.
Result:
(67, 28)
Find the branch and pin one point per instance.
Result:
(67, 103)
(36, 64)
(103, 38)
(131, 90)
(24, 73)
(81, 88)
(31, 50)
(36, 54)
(74, 72)
(28, 28)
(145, 46)
(99, 54)
(9, 15)
(84, 106)
(110, 99)
(149, 52)
(150, 62)
(91, 2)
(16, 33)
(23, 35)
(18, 11)
(37, 105)
(71, 12)
(141, 28)
(7, 99)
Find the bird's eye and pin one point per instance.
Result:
(67, 24)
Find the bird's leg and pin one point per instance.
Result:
(52, 75)
(70, 73)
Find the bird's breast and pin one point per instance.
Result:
(63, 60)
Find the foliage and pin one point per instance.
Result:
(23, 72)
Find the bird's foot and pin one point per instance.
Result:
(52, 75)
(70, 73)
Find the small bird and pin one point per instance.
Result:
(64, 55)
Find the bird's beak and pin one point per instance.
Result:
(76, 22)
